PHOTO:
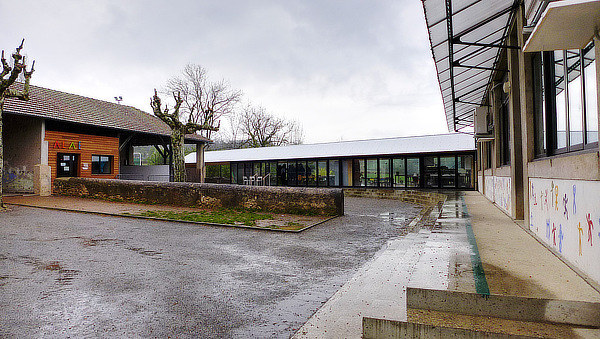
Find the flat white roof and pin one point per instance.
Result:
(440, 143)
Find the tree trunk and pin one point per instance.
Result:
(177, 137)
(2, 206)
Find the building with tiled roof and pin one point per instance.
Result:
(63, 134)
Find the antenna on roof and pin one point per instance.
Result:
(119, 99)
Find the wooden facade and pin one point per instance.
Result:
(83, 146)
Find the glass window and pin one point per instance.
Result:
(560, 100)
(282, 173)
(311, 173)
(399, 172)
(358, 172)
(334, 173)
(234, 174)
(430, 172)
(574, 91)
(271, 178)
(372, 172)
(322, 173)
(240, 179)
(413, 172)
(539, 105)
(301, 173)
(448, 171)
(384, 173)
(591, 94)
(465, 172)
(291, 174)
(257, 169)
(102, 164)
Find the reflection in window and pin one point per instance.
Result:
(372, 172)
(574, 91)
(399, 172)
(291, 173)
(322, 172)
(430, 173)
(560, 100)
(282, 173)
(448, 171)
(384, 173)
(591, 96)
(301, 173)
(334, 173)
(311, 173)
(465, 172)
(101, 164)
(413, 173)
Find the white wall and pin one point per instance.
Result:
(145, 173)
(565, 215)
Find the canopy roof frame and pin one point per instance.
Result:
(473, 54)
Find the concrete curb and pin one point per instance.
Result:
(579, 313)
(173, 220)
(383, 328)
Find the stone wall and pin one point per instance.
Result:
(294, 200)
(424, 198)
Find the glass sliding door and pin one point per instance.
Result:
(322, 173)
(465, 171)
(431, 171)
(448, 171)
(399, 172)
(311, 173)
(413, 172)
(384, 173)
(301, 173)
(372, 172)
(291, 174)
(334, 173)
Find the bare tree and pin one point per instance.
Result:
(8, 76)
(259, 128)
(179, 130)
(203, 102)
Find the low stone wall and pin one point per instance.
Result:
(425, 198)
(293, 200)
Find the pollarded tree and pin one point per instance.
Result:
(8, 76)
(178, 131)
(204, 102)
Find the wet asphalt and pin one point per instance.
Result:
(78, 275)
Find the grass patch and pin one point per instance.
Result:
(224, 216)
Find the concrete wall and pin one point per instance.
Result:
(314, 201)
(22, 151)
(149, 173)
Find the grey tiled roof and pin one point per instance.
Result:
(61, 106)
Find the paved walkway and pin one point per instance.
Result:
(443, 255)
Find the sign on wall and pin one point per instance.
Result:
(565, 214)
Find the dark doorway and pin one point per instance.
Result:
(67, 165)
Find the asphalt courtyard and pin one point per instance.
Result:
(65, 274)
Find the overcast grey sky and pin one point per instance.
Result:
(345, 69)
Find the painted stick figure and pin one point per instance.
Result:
(561, 235)
(574, 205)
(565, 203)
(590, 227)
(556, 197)
(580, 232)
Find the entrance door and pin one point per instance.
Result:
(67, 165)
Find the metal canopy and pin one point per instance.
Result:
(466, 38)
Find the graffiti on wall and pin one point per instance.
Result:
(565, 215)
(498, 190)
(17, 179)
